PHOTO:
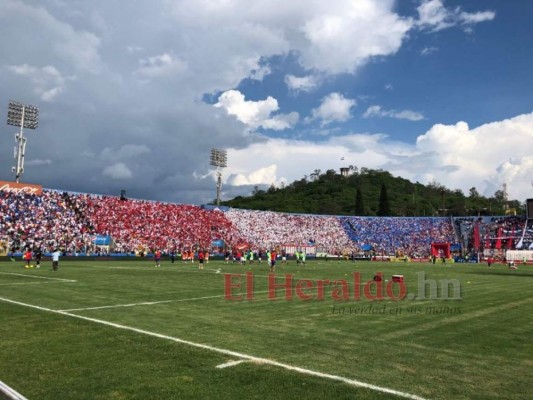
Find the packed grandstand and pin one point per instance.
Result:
(74, 222)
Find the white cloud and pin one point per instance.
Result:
(334, 108)
(453, 155)
(126, 151)
(51, 38)
(255, 114)
(134, 49)
(474, 18)
(117, 171)
(38, 162)
(180, 51)
(260, 73)
(333, 37)
(160, 65)
(426, 51)
(433, 15)
(266, 176)
(498, 152)
(48, 82)
(302, 83)
(346, 36)
(377, 111)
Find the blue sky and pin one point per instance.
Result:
(477, 76)
(134, 95)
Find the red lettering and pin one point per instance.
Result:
(401, 294)
(249, 286)
(367, 290)
(320, 288)
(229, 285)
(272, 286)
(356, 286)
(341, 290)
(300, 286)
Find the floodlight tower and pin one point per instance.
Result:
(219, 159)
(23, 116)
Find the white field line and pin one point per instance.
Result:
(38, 277)
(230, 364)
(231, 353)
(31, 283)
(149, 303)
(11, 393)
(189, 269)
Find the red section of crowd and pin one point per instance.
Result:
(137, 225)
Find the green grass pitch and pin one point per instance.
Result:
(128, 330)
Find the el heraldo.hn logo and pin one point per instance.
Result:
(239, 287)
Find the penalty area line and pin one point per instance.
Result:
(259, 360)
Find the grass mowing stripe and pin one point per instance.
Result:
(259, 360)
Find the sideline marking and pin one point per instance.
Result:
(259, 360)
(230, 364)
(147, 303)
(38, 277)
(11, 393)
(189, 269)
(30, 283)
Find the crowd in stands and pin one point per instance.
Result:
(267, 230)
(70, 222)
(388, 235)
(137, 225)
(48, 221)
(491, 232)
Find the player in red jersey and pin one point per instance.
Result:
(157, 256)
(201, 257)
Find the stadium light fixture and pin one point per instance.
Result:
(22, 116)
(219, 160)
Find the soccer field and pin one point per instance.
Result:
(128, 330)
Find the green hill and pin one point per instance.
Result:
(368, 192)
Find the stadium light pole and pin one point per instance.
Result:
(219, 159)
(22, 116)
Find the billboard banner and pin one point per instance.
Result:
(14, 187)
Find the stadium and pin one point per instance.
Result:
(371, 233)
(109, 324)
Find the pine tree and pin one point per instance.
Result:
(384, 209)
(359, 206)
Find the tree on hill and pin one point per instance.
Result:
(384, 209)
(359, 205)
(333, 193)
